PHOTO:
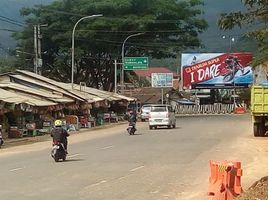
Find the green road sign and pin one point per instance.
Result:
(133, 63)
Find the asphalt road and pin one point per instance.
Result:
(109, 164)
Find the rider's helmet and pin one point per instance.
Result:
(229, 59)
(58, 123)
(0, 126)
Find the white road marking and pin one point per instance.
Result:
(108, 147)
(137, 168)
(96, 184)
(123, 177)
(71, 156)
(16, 169)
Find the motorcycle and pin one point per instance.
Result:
(1, 138)
(58, 151)
(131, 128)
(1, 142)
(233, 65)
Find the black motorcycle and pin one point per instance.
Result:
(1, 142)
(58, 152)
(131, 129)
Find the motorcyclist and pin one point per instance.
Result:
(1, 137)
(132, 118)
(59, 134)
(233, 64)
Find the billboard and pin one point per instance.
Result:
(162, 80)
(216, 70)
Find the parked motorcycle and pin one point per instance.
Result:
(131, 128)
(58, 151)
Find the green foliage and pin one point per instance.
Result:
(256, 14)
(6, 64)
(170, 26)
(138, 81)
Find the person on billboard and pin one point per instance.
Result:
(194, 60)
(233, 65)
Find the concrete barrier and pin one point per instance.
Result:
(217, 108)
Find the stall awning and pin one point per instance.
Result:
(11, 97)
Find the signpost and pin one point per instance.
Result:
(134, 63)
(162, 80)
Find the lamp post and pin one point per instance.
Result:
(123, 54)
(86, 17)
(231, 40)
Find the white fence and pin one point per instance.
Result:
(217, 108)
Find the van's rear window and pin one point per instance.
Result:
(158, 109)
(146, 108)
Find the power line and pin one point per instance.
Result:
(119, 43)
(10, 22)
(9, 30)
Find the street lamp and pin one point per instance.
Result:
(231, 40)
(123, 54)
(91, 16)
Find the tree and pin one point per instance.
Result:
(6, 64)
(169, 26)
(257, 15)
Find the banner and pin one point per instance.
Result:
(216, 70)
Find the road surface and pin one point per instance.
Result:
(154, 164)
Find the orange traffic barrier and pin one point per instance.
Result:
(225, 180)
(239, 109)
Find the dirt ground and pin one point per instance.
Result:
(256, 173)
(258, 191)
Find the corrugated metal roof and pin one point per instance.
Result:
(66, 87)
(100, 93)
(39, 92)
(96, 92)
(149, 71)
(36, 82)
(42, 86)
(12, 97)
(125, 97)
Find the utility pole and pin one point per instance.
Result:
(40, 61)
(35, 49)
(115, 76)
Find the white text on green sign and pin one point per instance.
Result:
(133, 63)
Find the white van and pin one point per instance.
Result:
(145, 111)
(162, 115)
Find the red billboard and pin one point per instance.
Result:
(210, 70)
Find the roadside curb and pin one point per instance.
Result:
(8, 142)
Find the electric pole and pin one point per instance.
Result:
(38, 62)
(35, 49)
